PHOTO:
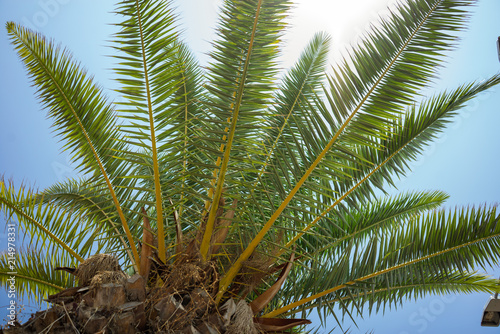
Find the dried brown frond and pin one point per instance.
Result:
(104, 277)
(186, 296)
(94, 265)
(256, 269)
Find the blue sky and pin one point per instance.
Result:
(463, 161)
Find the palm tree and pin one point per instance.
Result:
(264, 191)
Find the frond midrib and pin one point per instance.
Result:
(375, 274)
(156, 170)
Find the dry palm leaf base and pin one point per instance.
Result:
(176, 298)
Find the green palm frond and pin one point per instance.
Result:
(395, 61)
(51, 227)
(239, 78)
(371, 220)
(80, 112)
(410, 134)
(146, 73)
(369, 125)
(298, 86)
(82, 115)
(92, 200)
(238, 171)
(34, 274)
(365, 88)
(182, 138)
(386, 55)
(381, 296)
(439, 242)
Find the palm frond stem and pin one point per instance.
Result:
(303, 301)
(205, 244)
(21, 212)
(15, 274)
(156, 170)
(91, 145)
(233, 270)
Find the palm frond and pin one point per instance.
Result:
(181, 138)
(410, 134)
(298, 86)
(240, 75)
(357, 88)
(370, 220)
(90, 199)
(146, 73)
(49, 226)
(270, 189)
(34, 274)
(381, 296)
(440, 242)
(81, 114)
(301, 83)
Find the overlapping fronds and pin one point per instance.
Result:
(32, 273)
(364, 97)
(93, 201)
(232, 173)
(51, 227)
(81, 114)
(372, 220)
(291, 111)
(308, 186)
(240, 85)
(410, 134)
(435, 242)
(146, 70)
(381, 297)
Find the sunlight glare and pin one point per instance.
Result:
(344, 20)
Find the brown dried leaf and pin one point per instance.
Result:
(178, 230)
(260, 302)
(147, 246)
(223, 228)
(277, 324)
